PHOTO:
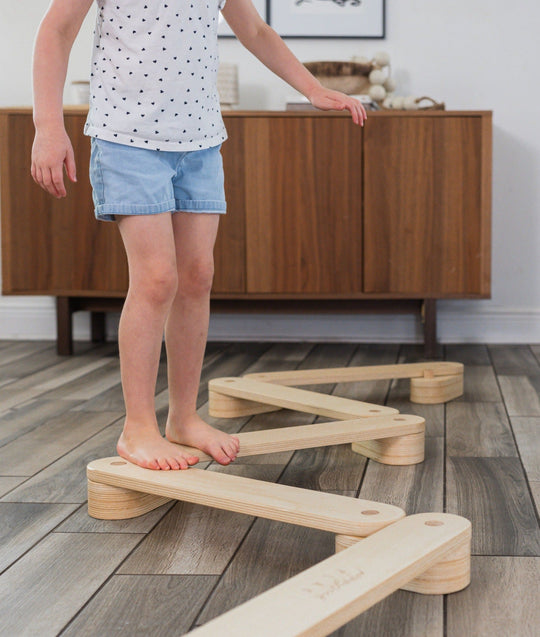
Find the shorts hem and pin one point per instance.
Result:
(107, 211)
(208, 206)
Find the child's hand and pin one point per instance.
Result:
(329, 100)
(51, 151)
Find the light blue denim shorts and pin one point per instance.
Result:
(128, 180)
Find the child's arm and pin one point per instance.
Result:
(269, 48)
(52, 148)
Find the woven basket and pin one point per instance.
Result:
(351, 78)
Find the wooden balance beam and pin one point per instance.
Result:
(118, 490)
(323, 598)
(431, 383)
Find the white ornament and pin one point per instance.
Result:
(377, 92)
(390, 84)
(409, 103)
(382, 58)
(387, 102)
(397, 102)
(377, 77)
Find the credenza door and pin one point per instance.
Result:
(427, 205)
(303, 194)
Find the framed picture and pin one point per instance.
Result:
(225, 31)
(328, 18)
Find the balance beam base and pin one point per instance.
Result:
(221, 406)
(450, 575)
(398, 451)
(115, 503)
(433, 391)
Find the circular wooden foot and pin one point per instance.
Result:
(221, 406)
(115, 503)
(450, 575)
(401, 450)
(439, 389)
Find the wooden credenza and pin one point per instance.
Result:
(322, 216)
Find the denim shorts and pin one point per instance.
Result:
(127, 180)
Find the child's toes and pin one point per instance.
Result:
(175, 465)
(163, 464)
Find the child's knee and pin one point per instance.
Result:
(196, 278)
(158, 284)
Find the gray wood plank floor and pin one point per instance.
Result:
(63, 573)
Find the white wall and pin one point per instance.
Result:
(471, 55)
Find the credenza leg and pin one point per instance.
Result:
(430, 328)
(64, 326)
(97, 320)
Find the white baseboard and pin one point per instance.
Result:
(458, 322)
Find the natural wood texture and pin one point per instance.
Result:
(189, 540)
(159, 606)
(357, 374)
(283, 195)
(520, 396)
(478, 430)
(432, 391)
(53, 439)
(326, 434)
(450, 575)
(480, 385)
(231, 242)
(502, 601)
(444, 168)
(24, 524)
(67, 249)
(326, 596)
(399, 450)
(527, 433)
(416, 488)
(274, 501)
(514, 360)
(293, 190)
(247, 557)
(58, 577)
(493, 494)
(291, 398)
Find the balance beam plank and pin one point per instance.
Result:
(323, 598)
(297, 399)
(329, 512)
(325, 434)
(355, 374)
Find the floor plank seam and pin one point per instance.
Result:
(525, 474)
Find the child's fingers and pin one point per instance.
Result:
(58, 181)
(70, 164)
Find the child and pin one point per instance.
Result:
(156, 170)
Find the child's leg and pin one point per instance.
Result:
(186, 331)
(149, 244)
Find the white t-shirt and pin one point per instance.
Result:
(154, 74)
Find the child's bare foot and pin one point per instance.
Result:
(194, 432)
(145, 447)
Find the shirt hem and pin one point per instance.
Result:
(178, 146)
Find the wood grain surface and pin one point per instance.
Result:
(497, 492)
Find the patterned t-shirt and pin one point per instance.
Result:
(153, 82)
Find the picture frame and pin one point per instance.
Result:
(328, 18)
(225, 31)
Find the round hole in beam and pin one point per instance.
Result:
(370, 512)
(118, 462)
(434, 523)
